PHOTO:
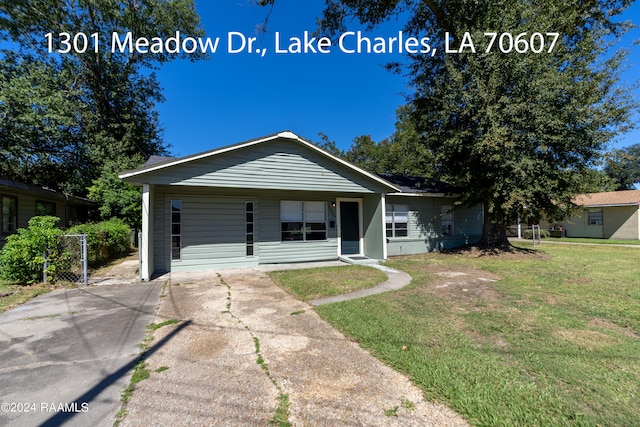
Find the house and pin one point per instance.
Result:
(281, 199)
(20, 202)
(610, 215)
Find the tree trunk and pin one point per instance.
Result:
(493, 235)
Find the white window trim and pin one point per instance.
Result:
(393, 222)
(304, 222)
(449, 211)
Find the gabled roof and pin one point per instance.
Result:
(281, 135)
(612, 198)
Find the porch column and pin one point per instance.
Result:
(146, 244)
(383, 203)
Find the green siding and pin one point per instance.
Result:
(213, 229)
(281, 164)
(372, 227)
(425, 226)
(578, 226)
(618, 222)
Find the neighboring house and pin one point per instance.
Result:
(611, 215)
(281, 199)
(20, 202)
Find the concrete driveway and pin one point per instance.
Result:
(66, 356)
(244, 343)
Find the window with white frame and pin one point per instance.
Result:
(397, 220)
(303, 221)
(176, 229)
(446, 220)
(595, 216)
(249, 231)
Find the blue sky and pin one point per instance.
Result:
(235, 97)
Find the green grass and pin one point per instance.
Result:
(594, 241)
(556, 342)
(314, 283)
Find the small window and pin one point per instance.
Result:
(595, 216)
(45, 208)
(9, 218)
(446, 220)
(176, 229)
(249, 227)
(303, 221)
(397, 220)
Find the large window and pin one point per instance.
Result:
(446, 220)
(176, 229)
(9, 218)
(595, 216)
(45, 208)
(249, 230)
(303, 221)
(397, 219)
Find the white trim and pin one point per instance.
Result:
(439, 195)
(283, 135)
(146, 244)
(360, 221)
(617, 205)
(383, 202)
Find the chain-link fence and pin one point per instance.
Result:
(72, 263)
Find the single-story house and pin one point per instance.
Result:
(610, 215)
(282, 199)
(20, 202)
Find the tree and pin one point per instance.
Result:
(116, 198)
(511, 130)
(63, 116)
(623, 166)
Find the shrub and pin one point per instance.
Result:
(22, 256)
(105, 240)
(528, 234)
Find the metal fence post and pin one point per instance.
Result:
(85, 264)
(44, 267)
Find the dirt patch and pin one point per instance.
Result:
(605, 324)
(461, 283)
(506, 252)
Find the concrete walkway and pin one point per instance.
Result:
(67, 355)
(560, 242)
(245, 343)
(397, 279)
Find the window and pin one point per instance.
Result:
(446, 219)
(303, 221)
(9, 218)
(176, 229)
(249, 230)
(595, 216)
(45, 208)
(397, 220)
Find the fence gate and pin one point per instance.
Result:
(73, 259)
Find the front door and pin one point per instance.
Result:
(349, 228)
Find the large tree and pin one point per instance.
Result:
(515, 131)
(623, 166)
(64, 116)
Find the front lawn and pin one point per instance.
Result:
(594, 241)
(311, 283)
(554, 341)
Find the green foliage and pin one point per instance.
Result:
(22, 257)
(62, 117)
(623, 167)
(116, 198)
(105, 240)
(510, 130)
(528, 234)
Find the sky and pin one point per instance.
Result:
(234, 97)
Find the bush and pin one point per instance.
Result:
(528, 234)
(105, 240)
(22, 256)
